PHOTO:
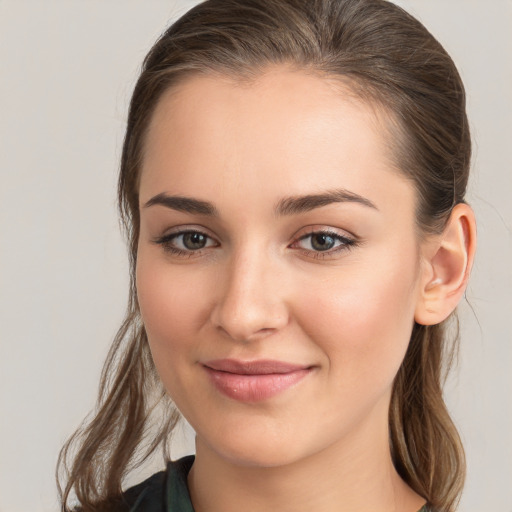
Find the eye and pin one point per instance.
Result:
(191, 241)
(186, 242)
(323, 243)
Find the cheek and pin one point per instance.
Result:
(362, 321)
(171, 309)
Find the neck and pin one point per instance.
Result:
(354, 475)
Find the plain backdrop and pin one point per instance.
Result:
(67, 68)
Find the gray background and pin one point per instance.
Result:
(67, 69)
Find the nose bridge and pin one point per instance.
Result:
(251, 303)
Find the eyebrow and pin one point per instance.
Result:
(183, 204)
(287, 206)
(301, 204)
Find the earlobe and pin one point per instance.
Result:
(447, 263)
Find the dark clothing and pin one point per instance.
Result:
(166, 491)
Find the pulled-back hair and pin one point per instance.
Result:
(388, 58)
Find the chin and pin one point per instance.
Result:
(261, 449)
(258, 458)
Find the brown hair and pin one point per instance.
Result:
(387, 57)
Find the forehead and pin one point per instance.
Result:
(286, 129)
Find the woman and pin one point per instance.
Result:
(292, 184)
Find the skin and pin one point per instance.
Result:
(259, 290)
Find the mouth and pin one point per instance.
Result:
(254, 381)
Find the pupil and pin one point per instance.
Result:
(194, 240)
(322, 242)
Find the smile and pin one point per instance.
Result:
(254, 381)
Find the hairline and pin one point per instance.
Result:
(355, 90)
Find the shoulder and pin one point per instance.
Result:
(147, 496)
(165, 491)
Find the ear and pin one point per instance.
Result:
(447, 262)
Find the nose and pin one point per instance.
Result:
(251, 302)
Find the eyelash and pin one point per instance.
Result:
(345, 244)
(167, 240)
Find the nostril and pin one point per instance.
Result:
(245, 336)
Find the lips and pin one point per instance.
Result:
(253, 381)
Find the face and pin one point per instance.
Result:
(277, 266)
